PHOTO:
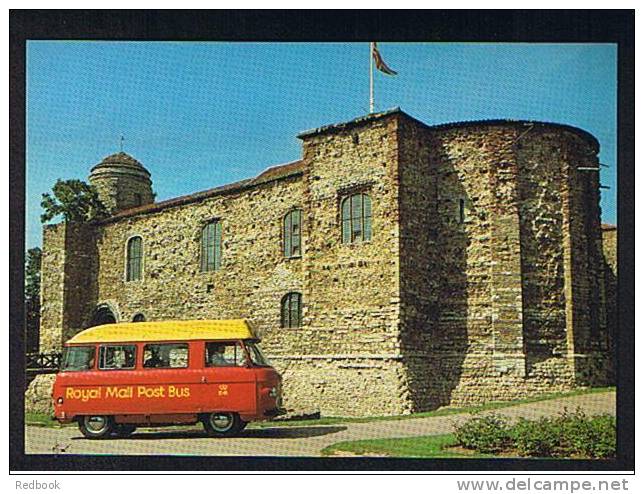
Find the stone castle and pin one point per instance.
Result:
(397, 267)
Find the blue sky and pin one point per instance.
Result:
(198, 115)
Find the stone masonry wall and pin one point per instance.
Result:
(609, 244)
(479, 283)
(69, 282)
(479, 331)
(542, 162)
(493, 278)
(419, 283)
(52, 287)
(352, 291)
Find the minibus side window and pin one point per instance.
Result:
(224, 354)
(78, 358)
(165, 356)
(112, 357)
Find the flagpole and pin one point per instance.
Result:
(371, 104)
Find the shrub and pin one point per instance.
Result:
(487, 434)
(565, 436)
(604, 443)
(537, 438)
(594, 437)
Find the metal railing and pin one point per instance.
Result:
(42, 363)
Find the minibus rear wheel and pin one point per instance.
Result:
(222, 423)
(96, 426)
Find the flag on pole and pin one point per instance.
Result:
(380, 63)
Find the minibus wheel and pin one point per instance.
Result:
(96, 426)
(222, 423)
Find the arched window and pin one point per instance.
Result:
(356, 218)
(138, 318)
(134, 268)
(292, 310)
(102, 315)
(211, 246)
(292, 232)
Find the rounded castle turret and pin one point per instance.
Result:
(122, 182)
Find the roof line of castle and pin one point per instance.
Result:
(293, 168)
(271, 174)
(587, 136)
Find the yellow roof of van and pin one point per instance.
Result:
(132, 332)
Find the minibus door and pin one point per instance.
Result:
(230, 383)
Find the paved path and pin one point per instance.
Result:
(284, 440)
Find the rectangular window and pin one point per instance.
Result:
(461, 211)
(292, 233)
(295, 232)
(78, 358)
(114, 357)
(356, 218)
(211, 246)
(165, 356)
(366, 212)
(222, 354)
(134, 258)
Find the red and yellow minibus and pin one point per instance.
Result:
(116, 377)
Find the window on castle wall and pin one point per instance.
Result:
(138, 318)
(463, 213)
(292, 233)
(134, 259)
(356, 218)
(138, 200)
(292, 310)
(211, 246)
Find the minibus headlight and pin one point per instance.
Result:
(59, 400)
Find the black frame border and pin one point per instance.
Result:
(537, 26)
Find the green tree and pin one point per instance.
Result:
(74, 200)
(32, 298)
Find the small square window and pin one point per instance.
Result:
(223, 354)
(115, 357)
(165, 356)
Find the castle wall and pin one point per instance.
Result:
(609, 245)
(69, 282)
(352, 291)
(483, 280)
(479, 329)
(588, 344)
(419, 280)
(484, 303)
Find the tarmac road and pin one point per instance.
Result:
(280, 440)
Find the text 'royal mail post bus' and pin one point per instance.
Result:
(117, 376)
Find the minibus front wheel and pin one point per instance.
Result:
(222, 423)
(96, 426)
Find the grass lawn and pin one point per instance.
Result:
(408, 447)
(41, 419)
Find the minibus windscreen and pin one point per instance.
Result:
(256, 354)
(78, 358)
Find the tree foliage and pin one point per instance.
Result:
(74, 200)
(32, 298)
